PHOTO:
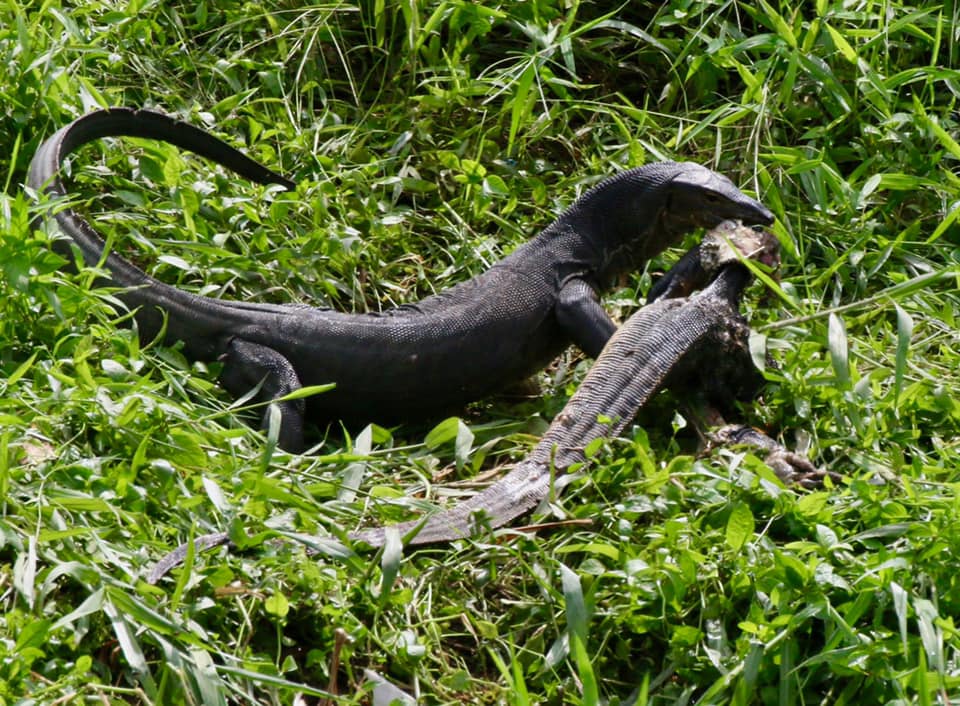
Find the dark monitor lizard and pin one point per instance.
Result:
(697, 345)
(418, 360)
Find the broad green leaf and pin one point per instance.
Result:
(518, 103)
(34, 634)
(900, 603)
(215, 493)
(390, 563)
(945, 225)
(494, 185)
(443, 433)
(463, 444)
(576, 612)
(945, 138)
(306, 391)
(130, 647)
(452, 429)
(277, 605)
(784, 31)
(740, 526)
(91, 604)
(846, 50)
(904, 334)
(839, 355)
(20, 371)
(930, 635)
(211, 685)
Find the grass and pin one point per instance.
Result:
(428, 139)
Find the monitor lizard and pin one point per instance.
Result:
(417, 360)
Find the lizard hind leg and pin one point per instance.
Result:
(247, 365)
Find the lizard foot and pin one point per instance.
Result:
(791, 468)
(795, 469)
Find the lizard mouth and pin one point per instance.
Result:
(767, 250)
(731, 241)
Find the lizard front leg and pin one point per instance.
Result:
(682, 279)
(247, 365)
(582, 318)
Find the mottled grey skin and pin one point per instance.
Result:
(698, 346)
(418, 360)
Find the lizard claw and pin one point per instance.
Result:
(795, 469)
(791, 468)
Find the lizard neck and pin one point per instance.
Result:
(619, 224)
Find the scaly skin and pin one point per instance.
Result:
(698, 344)
(423, 359)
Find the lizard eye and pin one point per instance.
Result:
(711, 197)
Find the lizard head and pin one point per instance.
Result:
(700, 198)
(637, 214)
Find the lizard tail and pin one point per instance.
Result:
(150, 295)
